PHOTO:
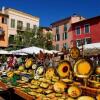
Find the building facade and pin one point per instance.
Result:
(3, 30)
(46, 30)
(62, 34)
(19, 22)
(86, 31)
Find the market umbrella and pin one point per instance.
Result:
(91, 49)
(31, 50)
(4, 52)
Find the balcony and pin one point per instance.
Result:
(20, 28)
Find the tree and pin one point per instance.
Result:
(25, 38)
(35, 37)
(49, 39)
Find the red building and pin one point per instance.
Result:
(86, 31)
(62, 35)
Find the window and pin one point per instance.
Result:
(4, 20)
(83, 41)
(11, 39)
(65, 27)
(79, 42)
(34, 26)
(12, 23)
(19, 24)
(57, 46)
(87, 28)
(88, 40)
(65, 45)
(65, 35)
(20, 39)
(1, 31)
(57, 37)
(78, 30)
(57, 29)
(28, 25)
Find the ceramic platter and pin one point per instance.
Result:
(83, 68)
(74, 91)
(86, 98)
(40, 70)
(63, 68)
(50, 73)
(74, 52)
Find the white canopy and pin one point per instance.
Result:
(31, 50)
(54, 51)
(4, 52)
(17, 53)
(91, 46)
(91, 49)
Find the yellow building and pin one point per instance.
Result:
(19, 22)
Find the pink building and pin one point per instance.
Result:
(62, 34)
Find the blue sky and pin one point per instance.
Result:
(52, 10)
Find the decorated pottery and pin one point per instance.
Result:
(28, 63)
(63, 69)
(85, 98)
(21, 68)
(83, 68)
(67, 80)
(40, 70)
(30, 71)
(35, 82)
(10, 74)
(17, 72)
(74, 91)
(98, 97)
(59, 87)
(97, 70)
(34, 66)
(94, 83)
(25, 78)
(44, 85)
(74, 52)
(55, 78)
(69, 98)
(49, 73)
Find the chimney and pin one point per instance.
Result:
(3, 9)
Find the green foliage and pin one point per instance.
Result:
(35, 37)
(49, 38)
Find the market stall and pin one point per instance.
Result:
(91, 49)
(31, 50)
(4, 52)
(64, 80)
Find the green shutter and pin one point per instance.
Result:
(57, 46)
(65, 27)
(65, 35)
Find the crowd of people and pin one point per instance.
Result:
(46, 60)
(14, 61)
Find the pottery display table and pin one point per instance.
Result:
(90, 91)
(17, 91)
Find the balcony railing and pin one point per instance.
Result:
(20, 28)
